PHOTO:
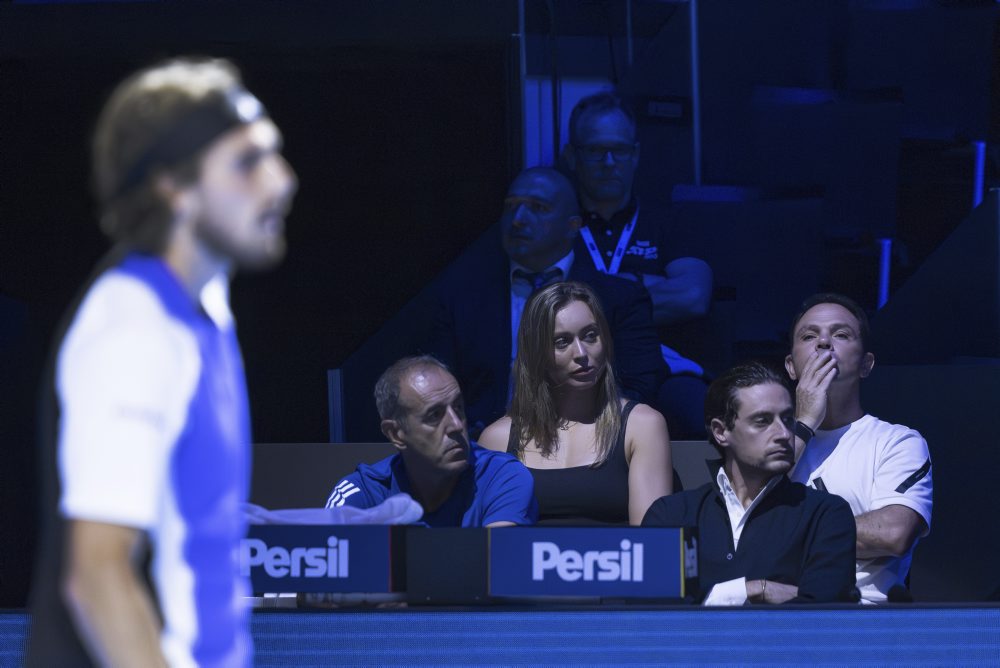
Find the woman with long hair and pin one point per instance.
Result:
(595, 457)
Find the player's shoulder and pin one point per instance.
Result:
(123, 329)
(121, 305)
(121, 298)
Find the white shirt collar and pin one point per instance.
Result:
(737, 513)
(214, 300)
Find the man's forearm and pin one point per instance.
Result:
(111, 608)
(684, 293)
(769, 591)
(887, 532)
(674, 301)
(871, 542)
(115, 620)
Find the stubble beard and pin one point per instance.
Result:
(266, 254)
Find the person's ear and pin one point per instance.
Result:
(179, 198)
(635, 155)
(790, 367)
(575, 223)
(719, 431)
(394, 432)
(867, 364)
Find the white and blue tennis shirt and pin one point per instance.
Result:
(154, 434)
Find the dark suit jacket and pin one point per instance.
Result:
(796, 535)
(471, 330)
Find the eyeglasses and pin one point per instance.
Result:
(597, 153)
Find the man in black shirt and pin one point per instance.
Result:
(761, 537)
(618, 237)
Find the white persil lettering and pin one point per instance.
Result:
(570, 565)
(309, 562)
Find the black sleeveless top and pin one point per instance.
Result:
(583, 494)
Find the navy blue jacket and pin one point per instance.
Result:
(796, 535)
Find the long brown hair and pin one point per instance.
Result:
(532, 408)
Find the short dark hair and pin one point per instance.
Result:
(387, 387)
(721, 402)
(841, 300)
(138, 114)
(603, 103)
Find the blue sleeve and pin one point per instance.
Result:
(510, 496)
(348, 492)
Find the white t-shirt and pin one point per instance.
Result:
(872, 464)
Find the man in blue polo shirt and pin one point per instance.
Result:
(152, 433)
(458, 483)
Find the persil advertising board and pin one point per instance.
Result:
(320, 558)
(600, 562)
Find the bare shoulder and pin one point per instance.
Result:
(495, 436)
(645, 417)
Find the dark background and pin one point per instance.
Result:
(402, 119)
(402, 145)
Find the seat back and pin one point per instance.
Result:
(301, 475)
(691, 462)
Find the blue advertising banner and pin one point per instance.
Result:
(317, 558)
(612, 562)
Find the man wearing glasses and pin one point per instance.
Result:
(619, 238)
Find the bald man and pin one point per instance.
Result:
(481, 297)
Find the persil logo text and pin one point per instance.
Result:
(309, 562)
(570, 565)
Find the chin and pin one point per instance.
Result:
(519, 253)
(262, 259)
(614, 192)
(457, 467)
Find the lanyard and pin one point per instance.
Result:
(616, 259)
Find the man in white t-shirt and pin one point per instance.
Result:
(882, 470)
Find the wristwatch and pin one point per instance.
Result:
(803, 431)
